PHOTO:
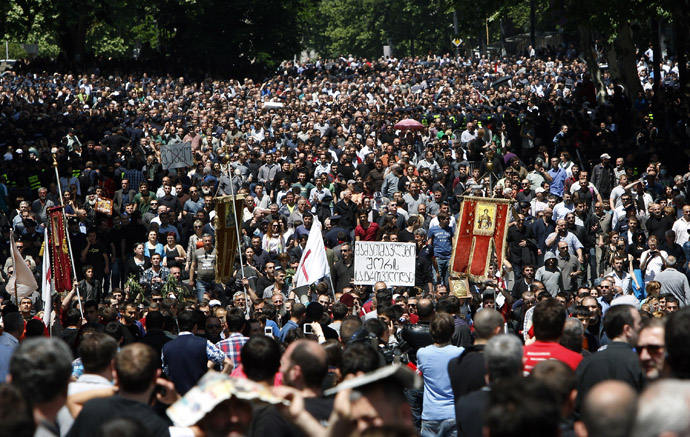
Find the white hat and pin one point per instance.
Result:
(605, 156)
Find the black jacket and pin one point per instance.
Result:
(416, 336)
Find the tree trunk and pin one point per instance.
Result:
(591, 60)
(680, 31)
(72, 41)
(656, 54)
(622, 64)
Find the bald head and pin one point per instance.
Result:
(487, 323)
(425, 309)
(609, 409)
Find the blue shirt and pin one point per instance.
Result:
(289, 326)
(558, 182)
(442, 241)
(191, 206)
(8, 343)
(433, 361)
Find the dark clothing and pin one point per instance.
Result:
(343, 274)
(520, 256)
(423, 267)
(96, 412)
(658, 226)
(541, 231)
(467, 372)
(603, 179)
(416, 336)
(331, 238)
(156, 339)
(618, 361)
(462, 337)
(469, 413)
(186, 361)
(269, 422)
(347, 213)
(131, 268)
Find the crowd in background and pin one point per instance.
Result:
(596, 260)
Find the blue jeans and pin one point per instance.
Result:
(441, 277)
(116, 272)
(202, 287)
(415, 399)
(439, 428)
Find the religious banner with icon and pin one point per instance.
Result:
(60, 261)
(104, 205)
(459, 287)
(481, 232)
(228, 221)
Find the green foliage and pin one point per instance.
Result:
(135, 289)
(172, 286)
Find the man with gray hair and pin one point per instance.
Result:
(41, 369)
(663, 410)
(503, 361)
(41, 205)
(674, 282)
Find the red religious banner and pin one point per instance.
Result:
(481, 232)
(61, 265)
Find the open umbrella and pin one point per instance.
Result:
(409, 124)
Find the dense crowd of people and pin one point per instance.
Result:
(586, 313)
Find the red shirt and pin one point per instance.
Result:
(540, 351)
(368, 234)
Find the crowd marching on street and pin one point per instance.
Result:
(582, 328)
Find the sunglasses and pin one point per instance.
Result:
(651, 348)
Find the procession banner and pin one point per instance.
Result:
(104, 205)
(481, 232)
(389, 262)
(177, 155)
(60, 260)
(228, 217)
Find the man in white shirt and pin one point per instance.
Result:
(620, 277)
(681, 226)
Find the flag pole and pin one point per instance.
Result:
(69, 241)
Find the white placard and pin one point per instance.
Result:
(177, 155)
(392, 263)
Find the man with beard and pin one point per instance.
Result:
(304, 365)
(522, 244)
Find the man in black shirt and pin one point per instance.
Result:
(618, 361)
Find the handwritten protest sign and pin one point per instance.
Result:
(392, 263)
(176, 155)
